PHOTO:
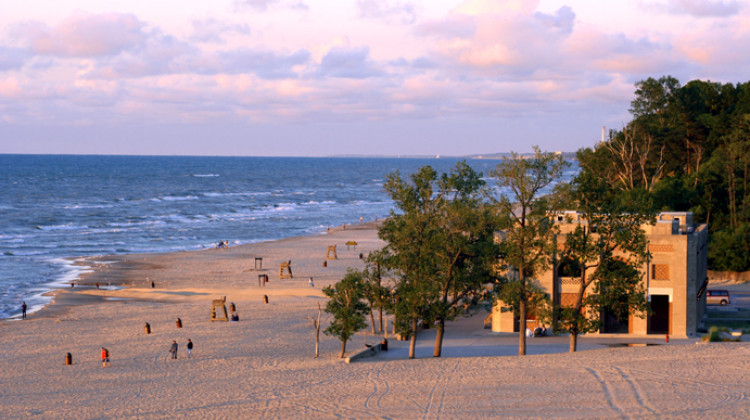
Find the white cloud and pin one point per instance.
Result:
(401, 12)
(696, 8)
(214, 30)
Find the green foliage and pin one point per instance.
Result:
(690, 146)
(528, 231)
(606, 251)
(439, 245)
(730, 249)
(346, 306)
(714, 336)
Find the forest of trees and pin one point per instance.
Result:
(689, 148)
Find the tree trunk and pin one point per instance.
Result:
(413, 339)
(573, 341)
(522, 325)
(317, 342)
(439, 338)
(381, 319)
(372, 321)
(343, 349)
(577, 314)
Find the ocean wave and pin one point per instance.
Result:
(66, 226)
(236, 194)
(206, 175)
(134, 224)
(87, 206)
(176, 198)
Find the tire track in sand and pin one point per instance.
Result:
(607, 393)
(376, 391)
(444, 380)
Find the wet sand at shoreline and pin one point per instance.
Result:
(263, 365)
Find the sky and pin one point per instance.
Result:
(364, 77)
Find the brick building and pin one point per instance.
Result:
(675, 278)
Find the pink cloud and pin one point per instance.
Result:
(84, 35)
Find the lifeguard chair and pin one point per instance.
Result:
(285, 270)
(219, 303)
(331, 253)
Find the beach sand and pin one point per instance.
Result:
(263, 365)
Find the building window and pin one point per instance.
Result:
(568, 300)
(660, 271)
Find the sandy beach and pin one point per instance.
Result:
(263, 365)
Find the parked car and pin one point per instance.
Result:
(718, 297)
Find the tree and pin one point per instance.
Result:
(605, 251)
(316, 326)
(440, 244)
(528, 231)
(408, 235)
(466, 252)
(346, 306)
(377, 295)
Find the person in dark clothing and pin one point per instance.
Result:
(189, 348)
(173, 349)
(23, 310)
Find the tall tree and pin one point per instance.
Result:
(605, 251)
(346, 305)
(466, 251)
(441, 244)
(408, 234)
(378, 296)
(528, 231)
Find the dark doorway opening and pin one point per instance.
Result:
(658, 320)
(613, 325)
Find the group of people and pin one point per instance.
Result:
(172, 349)
(222, 244)
(539, 331)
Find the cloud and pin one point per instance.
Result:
(263, 5)
(454, 26)
(260, 5)
(213, 30)
(264, 64)
(158, 54)
(404, 13)
(507, 38)
(562, 20)
(347, 62)
(696, 8)
(12, 58)
(84, 35)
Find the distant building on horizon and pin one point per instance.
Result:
(675, 278)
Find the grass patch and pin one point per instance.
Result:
(715, 335)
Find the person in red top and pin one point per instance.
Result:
(105, 357)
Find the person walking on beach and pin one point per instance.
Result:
(105, 357)
(310, 282)
(173, 349)
(190, 348)
(23, 310)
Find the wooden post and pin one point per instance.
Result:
(68, 359)
(179, 323)
(147, 328)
